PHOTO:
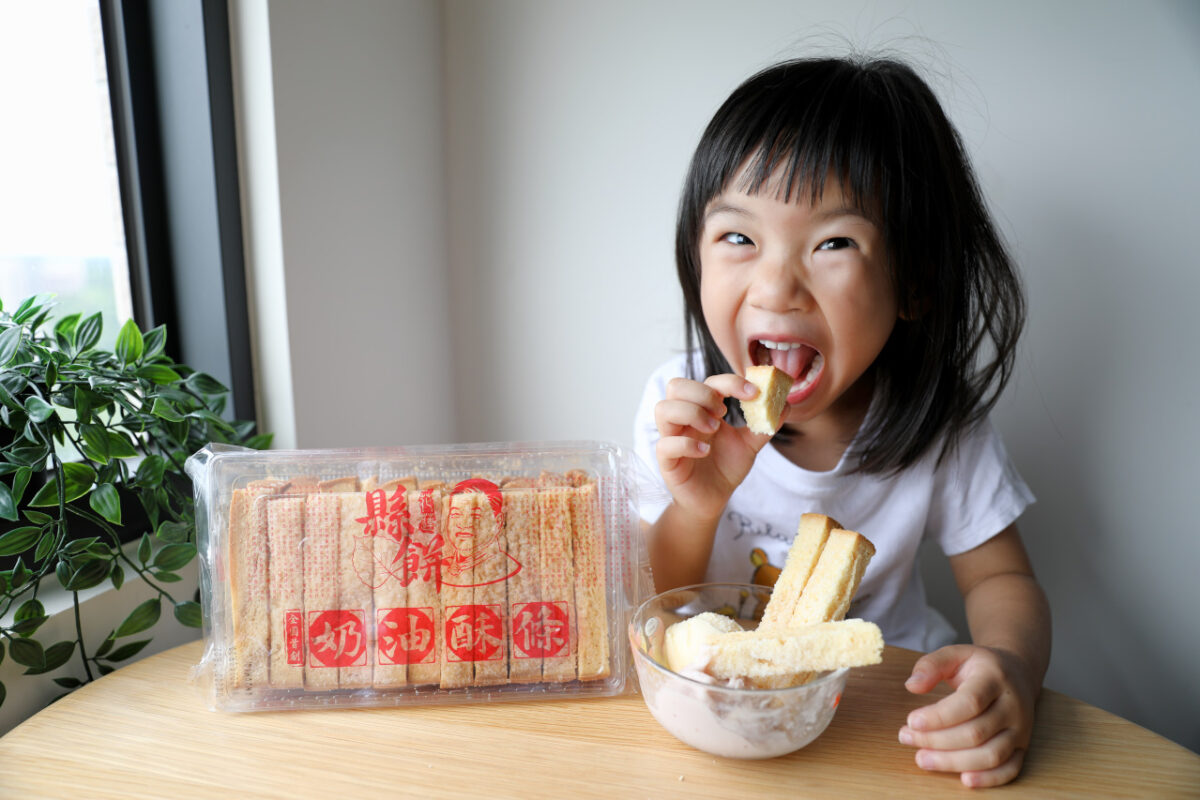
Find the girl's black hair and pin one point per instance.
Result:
(878, 127)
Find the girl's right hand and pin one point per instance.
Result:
(701, 457)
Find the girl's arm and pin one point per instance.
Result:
(680, 548)
(983, 729)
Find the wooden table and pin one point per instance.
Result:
(143, 731)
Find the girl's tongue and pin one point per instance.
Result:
(803, 363)
(795, 361)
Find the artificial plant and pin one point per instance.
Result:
(92, 484)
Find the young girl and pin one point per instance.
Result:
(831, 225)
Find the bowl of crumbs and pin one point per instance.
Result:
(748, 671)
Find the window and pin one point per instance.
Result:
(61, 229)
(118, 174)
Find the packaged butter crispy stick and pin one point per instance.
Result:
(380, 577)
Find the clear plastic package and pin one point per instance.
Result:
(379, 577)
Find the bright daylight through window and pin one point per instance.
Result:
(61, 230)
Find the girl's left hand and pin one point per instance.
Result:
(983, 729)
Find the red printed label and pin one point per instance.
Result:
(293, 622)
(337, 638)
(474, 633)
(405, 635)
(540, 630)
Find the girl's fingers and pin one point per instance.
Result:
(971, 733)
(699, 394)
(672, 449)
(995, 754)
(683, 418)
(998, 776)
(734, 386)
(970, 699)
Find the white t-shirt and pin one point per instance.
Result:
(974, 494)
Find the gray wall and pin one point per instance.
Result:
(529, 184)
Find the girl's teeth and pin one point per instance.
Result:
(814, 369)
(780, 345)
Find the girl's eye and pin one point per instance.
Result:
(737, 238)
(836, 243)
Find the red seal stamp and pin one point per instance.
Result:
(337, 638)
(540, 630)
(474, 633)
(405, 635)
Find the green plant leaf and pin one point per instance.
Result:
(141, 618)
(106, 502)
(30, 609)
(37, 517)
(119, 446)
(27, 627)
(164, 410)
(20, 481)
(80, 545)
(20, 574)
(150, 471)
(38, 409)
(95, 437)
(154, 340)
(27, 456)
(173, 532)
(24, 307)
(8, 504)
(117, 575)
(3, 693)
(83, 405)
(158, 373)
(88, 333)
(27, 652)
(92, 573)
(203, 383)
(18, 540)
(189, 613)
(1, 652)
(107, 644)
(143, 551)
(174, 556)
(64, 330)
(69, 682)
(129, 343)
(128, 650)
(77, 480)
(45, 546)
(10, 343)
(162, 576)
(54, 657)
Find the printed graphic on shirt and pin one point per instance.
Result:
(745, 526)
(765, 573)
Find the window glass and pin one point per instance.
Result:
(61, 229)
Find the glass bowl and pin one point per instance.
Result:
(721, 720)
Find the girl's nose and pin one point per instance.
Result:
(779, 284)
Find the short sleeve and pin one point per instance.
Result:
(645, 431)
(977, 492)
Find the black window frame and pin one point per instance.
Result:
(171, 90)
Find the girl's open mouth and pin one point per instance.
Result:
(800, 361)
